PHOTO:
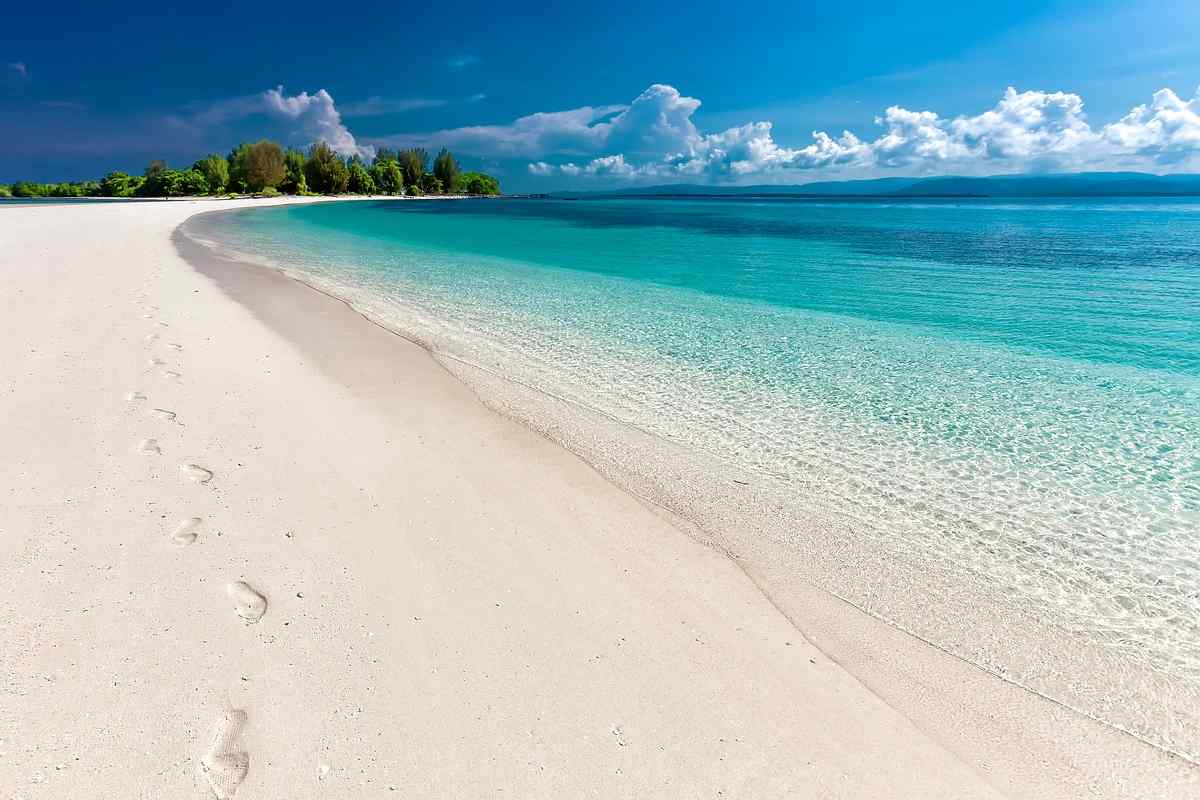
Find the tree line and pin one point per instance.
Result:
(265, 168)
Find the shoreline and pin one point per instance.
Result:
(454, 604)
(803, 558)
(733, 522)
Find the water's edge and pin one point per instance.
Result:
(790, 551)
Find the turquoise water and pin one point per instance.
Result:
(1012, 388)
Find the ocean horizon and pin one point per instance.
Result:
(994, 397)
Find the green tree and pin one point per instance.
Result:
(477, 183)
(360, 181)
(293, 169)
(412, 163)
(164, 182)
(30, 189)
(193, 182)
(157, 180)
(5, 190)
(325, 171)
(431, 184)
(171, 181)
(388, 177)
(215, 170)
(445, 168)
(385, 154)
(264, 166)
(237, 168)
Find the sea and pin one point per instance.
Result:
(976, 420)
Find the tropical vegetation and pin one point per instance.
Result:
(265, 168)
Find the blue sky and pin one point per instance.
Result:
(579, 95)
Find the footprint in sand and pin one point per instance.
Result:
(172, 374)
(163, 413)
(162, 324)
(175, 346)
(151, 339)
(135, 397)
(250, 604)
(149, 447)
(187, 531)
(195, 472)
(223, 765)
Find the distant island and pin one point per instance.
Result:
(264, 168)
(1083, 184)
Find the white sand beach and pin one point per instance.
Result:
(253, 545)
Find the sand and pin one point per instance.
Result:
(253, 545)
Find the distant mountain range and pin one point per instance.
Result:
(1083, 184)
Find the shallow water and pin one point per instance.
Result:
(1009, 388)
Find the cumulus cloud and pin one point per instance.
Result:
(612, 166)
(655, 136)
(1039, 130)
(315, 117)
(826, 151)
(1023, 126)
(307, 117)
(1167, 131)
(744, 150)
(658, 120)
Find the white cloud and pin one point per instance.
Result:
(655, 137)
(1168, 130)
(826, 151)
(307, 117)
(20, 69)
(315, 117)
(913, 137)
(744, 150)
(1036, 130)
(1024, 126)
(657, 121)
(575, 132)
(612, 166)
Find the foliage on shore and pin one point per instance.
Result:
(265, 168)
